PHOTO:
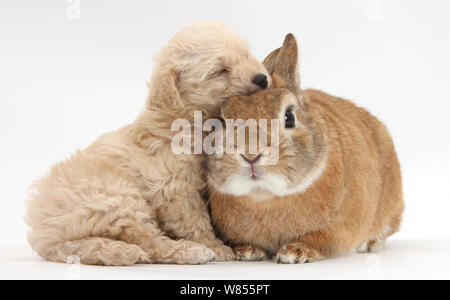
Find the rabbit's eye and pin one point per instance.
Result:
(289, 119)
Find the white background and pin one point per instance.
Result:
(66, 78)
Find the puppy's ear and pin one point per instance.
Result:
(164, 93)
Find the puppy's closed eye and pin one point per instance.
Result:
(217, 73)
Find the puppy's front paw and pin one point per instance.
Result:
(297, 253)
(196, 254)
(223, 253)
(249, 253)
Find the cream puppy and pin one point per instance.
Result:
(128, 198)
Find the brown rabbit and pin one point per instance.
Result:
(335, 189)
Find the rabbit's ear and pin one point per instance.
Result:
(278, 82)
(287, 62)
(270, 61)
(164, 93)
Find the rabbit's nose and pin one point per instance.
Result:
(253, 160)
(261, 81)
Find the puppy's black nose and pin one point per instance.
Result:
(261, 81)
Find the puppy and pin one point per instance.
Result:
(128, 198)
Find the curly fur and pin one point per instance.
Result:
(127, 198)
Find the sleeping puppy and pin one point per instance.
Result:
(128, 198)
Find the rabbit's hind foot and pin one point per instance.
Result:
(372, 246)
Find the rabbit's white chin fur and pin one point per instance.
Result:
(274, 184)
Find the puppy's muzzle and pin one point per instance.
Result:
(261, 81)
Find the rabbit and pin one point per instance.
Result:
(336, 188)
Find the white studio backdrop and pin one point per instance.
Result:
(73, 70)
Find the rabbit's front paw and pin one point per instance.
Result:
(297, 253)
(249, 253)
